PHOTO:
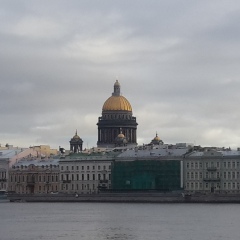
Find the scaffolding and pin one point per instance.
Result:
(135, 175)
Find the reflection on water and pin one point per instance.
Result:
(116, 221)
(116, 233)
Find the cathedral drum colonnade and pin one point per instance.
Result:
(117, 122)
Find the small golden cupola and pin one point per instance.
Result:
(120, 135)
(76, 143)
(156, 140)
(76, 136)
(120, 140)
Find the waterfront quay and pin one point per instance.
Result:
(128, 198)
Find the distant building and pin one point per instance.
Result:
(212, 171)
(45, 151)
(34, 176)
(86, 173)
(148, 168)
(117, 118)
(7, 147)
(144, 168)
(10, 155)
(4, 166)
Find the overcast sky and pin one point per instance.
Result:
(178, 63)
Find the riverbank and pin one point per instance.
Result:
(127, 197)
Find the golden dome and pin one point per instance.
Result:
(116, 103)
(120, 135)
(76, 136)
(157, 138)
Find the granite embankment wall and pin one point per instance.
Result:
(126, 197)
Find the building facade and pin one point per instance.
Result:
(44, 151)
(9, 156)
(149, 167)
(85, 173)
(34, 177)
(212, 171)
(4, 165)
(117, 118)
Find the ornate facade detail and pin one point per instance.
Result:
(34, 176)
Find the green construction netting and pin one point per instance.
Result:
(146, 175)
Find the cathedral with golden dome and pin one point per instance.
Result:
(117, 126)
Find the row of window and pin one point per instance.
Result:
(85, 168)
(194, 186)
(197, 165)
(83, 177)
(34, 166)
(48, 188)
(48, 178)
(111, 116)
(199, 175)
(199, 186)
(76, 187)
(231, 175)
(196, 176)
(41, 189)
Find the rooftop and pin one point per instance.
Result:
(9, 153)
(214, 153)
(37, 162)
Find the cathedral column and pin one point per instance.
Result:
(127, 134)
(109, 135)
(113, 137)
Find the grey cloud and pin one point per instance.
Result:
(177, 62)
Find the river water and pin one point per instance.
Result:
(119, 221)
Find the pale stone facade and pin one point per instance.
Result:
(4, 165)
(212, 172)
(85, 174)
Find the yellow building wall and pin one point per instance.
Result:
(45, 150)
